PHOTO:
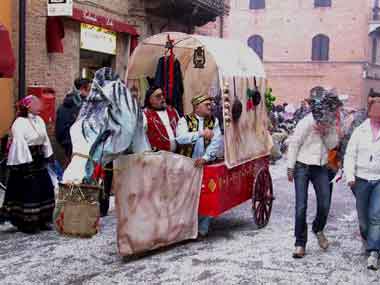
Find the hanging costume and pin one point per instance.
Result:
(29, 200)
(160, 128)
(169, 78)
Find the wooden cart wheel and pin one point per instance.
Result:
(262, 198)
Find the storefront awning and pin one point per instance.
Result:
(7, 59)
(104, 22)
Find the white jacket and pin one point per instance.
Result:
(362, 158)
(307, 145)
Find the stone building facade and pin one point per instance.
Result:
(287, 28)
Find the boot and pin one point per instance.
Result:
(322, 240)
(299, 252)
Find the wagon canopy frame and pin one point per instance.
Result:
(227, 61)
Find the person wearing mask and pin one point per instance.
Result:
(29, 200)
(67, 113)
(307, 159)
(362, 170)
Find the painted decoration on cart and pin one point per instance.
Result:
(247, 138)
(159, 207)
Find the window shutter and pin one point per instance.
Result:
(256, 43)
(316, 48)
(322, 3)
(374, 50)
(320, 48)
(325, 48)
(257, 4)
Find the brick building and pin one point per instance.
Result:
(123, 21)
(308, 44)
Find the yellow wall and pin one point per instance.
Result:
(6, 84)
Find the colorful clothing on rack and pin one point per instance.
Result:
(169, 78)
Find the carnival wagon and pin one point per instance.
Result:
(160, 194)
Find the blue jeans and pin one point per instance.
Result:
(204, 224)
(318, 176)
(367, 194)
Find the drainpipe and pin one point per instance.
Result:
(221, 28)
(21, 51)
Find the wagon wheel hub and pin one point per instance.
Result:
(262, 198)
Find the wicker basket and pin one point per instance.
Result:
(77, 210)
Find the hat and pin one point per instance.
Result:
(200, 99)
(153, 90)
(27, 101)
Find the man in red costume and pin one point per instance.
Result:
(160, 121)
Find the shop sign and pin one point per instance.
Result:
(60, 7)
(98, 39)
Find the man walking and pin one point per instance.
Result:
(307, 158)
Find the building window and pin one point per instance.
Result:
(322, 3)
(375, 50)
(256, 43)
(256, 4)
(318, 90)
(320, 49)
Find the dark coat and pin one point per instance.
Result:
(67, 114)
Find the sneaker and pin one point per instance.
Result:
(322, 240)
(373, 260)
(299, 252)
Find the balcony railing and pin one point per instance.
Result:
(193, 12)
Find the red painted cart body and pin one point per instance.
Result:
(223, 189)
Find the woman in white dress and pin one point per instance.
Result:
(29, 200)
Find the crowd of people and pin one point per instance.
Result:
(196, 135)
(318, 147)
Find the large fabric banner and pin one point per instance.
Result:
(247, 137)
(157, 199)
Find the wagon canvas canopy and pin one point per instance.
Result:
(227, 63)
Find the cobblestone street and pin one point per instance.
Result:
(234, 253)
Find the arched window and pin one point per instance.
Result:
(318, 90)
(320, 49)
(256, 43)
(256, 4)
(322, 3)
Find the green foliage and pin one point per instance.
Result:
(269, 99)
